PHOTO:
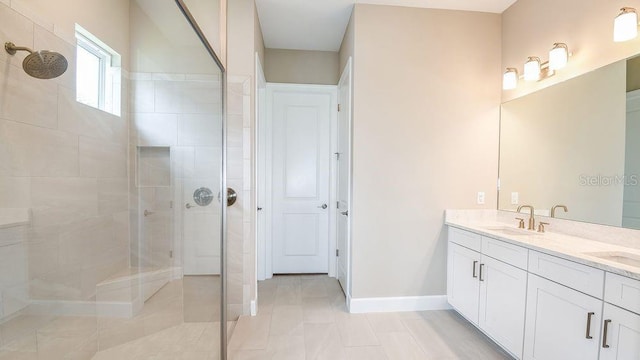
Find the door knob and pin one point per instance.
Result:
(232, 196)
(324, 206)
(188, 206)
(147, 212)
(345, 213)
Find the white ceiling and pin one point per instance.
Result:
(320, 24)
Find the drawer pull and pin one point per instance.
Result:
(475, 275)
(604, 334)
(481, 267)
(589, 315)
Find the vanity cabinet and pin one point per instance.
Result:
(621, 319)
(562, 323)
(539, 306)
(620, 334)
(503, 290)
(488, 292)
(463, 286)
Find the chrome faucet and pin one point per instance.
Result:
(553, 209)
(532, 220)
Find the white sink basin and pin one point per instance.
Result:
(620, 257)
(506, 230)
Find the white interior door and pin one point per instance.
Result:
(343, 189)
(301, 125)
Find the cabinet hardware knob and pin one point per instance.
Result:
(589, 315)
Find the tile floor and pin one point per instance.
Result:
(299, 318)
(304, 318)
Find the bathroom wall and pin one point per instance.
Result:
(97, 16)
(347, 46)
(64, 161)
(244, 41)
(425, 138)
(302, 66)
(530, 27)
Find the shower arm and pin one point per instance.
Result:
(11, 48)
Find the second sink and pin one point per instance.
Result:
(620, 257)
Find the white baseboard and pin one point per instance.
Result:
(254, 308)
(397, 304)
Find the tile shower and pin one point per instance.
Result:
(82, 269)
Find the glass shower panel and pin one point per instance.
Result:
(111, 226)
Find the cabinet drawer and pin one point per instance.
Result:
(576, 276)
(622, 291)
(467, 239)
(511, 254)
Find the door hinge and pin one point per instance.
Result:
(338, 107)
(337, 156)
(170, 204)
(337, 204)
(170, 254)
(337, 252)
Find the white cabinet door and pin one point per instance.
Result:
(462, 280)
(503, 293)
(621, 341)
(561, 323)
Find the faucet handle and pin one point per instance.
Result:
(541, 226)
(520, 223)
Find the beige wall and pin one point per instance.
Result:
(530, 27)
(302, 66)
(152, 40)
(258, 38)
(555, 138)
(108, 20)
(427, 139)
(347, 46)
(633, 74)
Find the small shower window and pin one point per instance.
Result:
(98, 75)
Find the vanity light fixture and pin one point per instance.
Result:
(558, 56)
(510, 79)
(625, 25)
(535, 69)
(532, 69)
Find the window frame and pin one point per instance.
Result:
(108, 69)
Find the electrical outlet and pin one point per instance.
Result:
(480, 199)
(515, 198)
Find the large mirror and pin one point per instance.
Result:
(577, 144)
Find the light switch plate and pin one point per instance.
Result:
(480, 199)
(515, 198)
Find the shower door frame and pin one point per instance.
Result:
(223, 176)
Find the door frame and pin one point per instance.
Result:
(347, 75)
(264, 138)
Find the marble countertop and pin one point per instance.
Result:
(573, 248)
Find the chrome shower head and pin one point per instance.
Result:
(41, 64)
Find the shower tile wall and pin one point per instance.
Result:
(67, 163)
(180, 113)
(240, 235)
